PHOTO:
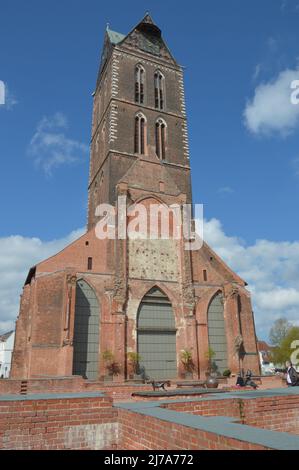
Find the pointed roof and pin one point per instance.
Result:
(5, 336)
(147, 19)
(114, 36)
(148, 26)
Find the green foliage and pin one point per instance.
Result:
(227, 373)
(111, 365)
(134, 358)
(210, 354)
(108, 356)
(187, 360)
(283, 351)
(279, 331)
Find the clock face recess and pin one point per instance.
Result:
(150, 44)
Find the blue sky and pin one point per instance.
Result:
(243, 139)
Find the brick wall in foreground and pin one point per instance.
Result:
(42, 385)
(141, 432)
(73, 423)
(117, 391)
(280, 413)
(89, 421)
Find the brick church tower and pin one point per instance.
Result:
(86, 308)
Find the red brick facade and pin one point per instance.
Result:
(119, 276)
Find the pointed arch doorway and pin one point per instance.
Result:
(156, 336)
(86, 332)
(217, 333)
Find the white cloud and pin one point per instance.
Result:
(278, 299)
(7, 97)
(257, 72)
(271, 110)
(270, 268)
(50, 147)
(286, 6)
(226, 190)
(295, 163)
(17, 255)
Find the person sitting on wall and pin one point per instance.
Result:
(248, 380)
(291, 374)
(240, 381)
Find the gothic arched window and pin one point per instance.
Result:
(139, 84)
(140, 134)
(161, 138)
(159, 90)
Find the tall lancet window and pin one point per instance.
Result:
(140, 134)
(161, 139)
(139, 84)
(159, 90)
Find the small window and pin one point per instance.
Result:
(205, 275)
(139, 84)
(160, 132)
(140, 134)
(159, 90)
(89, 264)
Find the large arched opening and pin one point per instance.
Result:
(86, 332)
(156, 336)
(217, 333)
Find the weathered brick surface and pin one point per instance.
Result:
(146, 433)
(75, 423)
(275, 413)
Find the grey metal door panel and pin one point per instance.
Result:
(157, 337)
(86, 332)
(155, 315)
(217, 334)
(158, 354)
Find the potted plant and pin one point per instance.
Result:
(211, 374)
(133, 360)
(227, 373)
(188, 364)
(111, 365)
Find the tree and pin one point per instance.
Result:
(279, 331)
(283, 352)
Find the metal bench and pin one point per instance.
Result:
(193, 383)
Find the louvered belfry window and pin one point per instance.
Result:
(140, 134)
(160, 132)
(159, 90)
(139, 84)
